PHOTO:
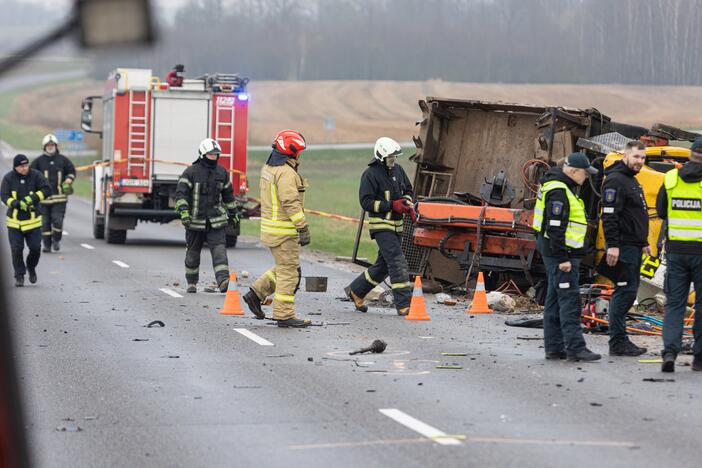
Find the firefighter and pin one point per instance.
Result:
(22, 190)
(679, 202)
(59, 171)
(205, 203)
(386, 194)
(283, 230)
(625, 224)
(176, 76)
(561, 226)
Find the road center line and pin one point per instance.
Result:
(170, 292)
(120, 264)
(87, 246)
(420, 427)
(253, 337)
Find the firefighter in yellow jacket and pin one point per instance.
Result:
(283, 230)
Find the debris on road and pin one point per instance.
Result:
(658, 380)
(449, 367)
(140, 339)
(69, 429)
(280, 355)
(500, 302)
(244, 274)
(446, 299)
(378, 346)
(155, 323)
(526, 322)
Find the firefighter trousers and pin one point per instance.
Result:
(217, 240)
(52, 222)
(391, 261)
(283, 280)
(17, 240)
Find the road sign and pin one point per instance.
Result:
(70, 136)
(329, 123)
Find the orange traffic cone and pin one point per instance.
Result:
(232, 302)
(480, 304)
(418, 307)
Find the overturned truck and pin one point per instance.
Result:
(478, 170)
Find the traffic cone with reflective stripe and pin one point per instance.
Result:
(232, 302)
(479, 304)
(418, 307)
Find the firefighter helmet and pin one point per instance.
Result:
(385, 147)
(49, 139)
(207, 146)
(289, 142)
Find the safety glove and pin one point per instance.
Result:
(185, 218)
(399, 206)
(23, 205)
(234, 217)
(29, 202)
(412, 213)
(67, 188)
(305, 237)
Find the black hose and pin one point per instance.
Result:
(455, 201)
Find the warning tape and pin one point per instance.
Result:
(88, 167)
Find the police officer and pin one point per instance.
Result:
(625, 224)
(680, 203)
(561, 226)
(205, 203)
(60, 173)
(21, 190)
(283, 230)
(386, 194)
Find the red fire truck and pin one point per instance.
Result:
(150, 133)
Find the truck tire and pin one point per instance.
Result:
(231, 240)
(98, 230)
(116, 236)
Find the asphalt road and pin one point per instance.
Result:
(200, 393)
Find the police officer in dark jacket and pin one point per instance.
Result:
(205, 203)
(59, 171)
(21, 190)
(386, 194)
(679, 202)
(561, 225)
(625, 225)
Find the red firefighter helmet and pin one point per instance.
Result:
(289, 142)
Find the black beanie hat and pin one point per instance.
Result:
(19, 160)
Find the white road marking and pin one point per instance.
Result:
(170, 292)
(120, 264)
(87, 246)
(253, 337)
(420, 427)
(65, 233)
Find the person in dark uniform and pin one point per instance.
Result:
(386, 194)
(561, 226)
(21, 190)
(59, 171)
(205, 203)
(679, 202)
(625, 225)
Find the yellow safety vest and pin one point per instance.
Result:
(684, 208)
(577, 222)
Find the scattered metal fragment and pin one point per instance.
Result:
(140, 339)
(279, 355)
(530, 338)
(449, 367)
(454, 354)
(314, 313)
(649, 379)
(594, 403)
(156, 323)
(90, 418)
(337, 323)
(378, 346)
(69, 429)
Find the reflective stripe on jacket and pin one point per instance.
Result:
(684, 208)
(576, 231)
(30, 190)
(282, 202)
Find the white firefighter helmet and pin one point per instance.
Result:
(208, 145)
(48, 140)
(385, 147)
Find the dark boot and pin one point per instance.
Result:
(585, 355)
(46, 248)
(357, 301)
(294, 323)
(554, 356)
(19, 281)
(402, 311)
(57, 246)
(192, 289)
(32, 275)
(254, 303)
(697, 362)
(668, 362)
(223, 285)
(625, 348)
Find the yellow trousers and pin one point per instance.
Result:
(282, 280)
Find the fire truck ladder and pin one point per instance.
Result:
(136, 147)
(222, 124)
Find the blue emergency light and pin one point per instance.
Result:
(242, 97)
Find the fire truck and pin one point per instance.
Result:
(150, 134)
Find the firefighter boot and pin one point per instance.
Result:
(294, 322)
(223, 285)
(57, 245)
(192, 289)
(254, 303)
(357, 301)
(19, 281)
(46, 248)
(32, 275)
(402, 311)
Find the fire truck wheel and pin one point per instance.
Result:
(231, 241)
(116, 236)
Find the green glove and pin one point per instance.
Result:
(23, 206)
(235, 217)
(185, 218)
(67, 188)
